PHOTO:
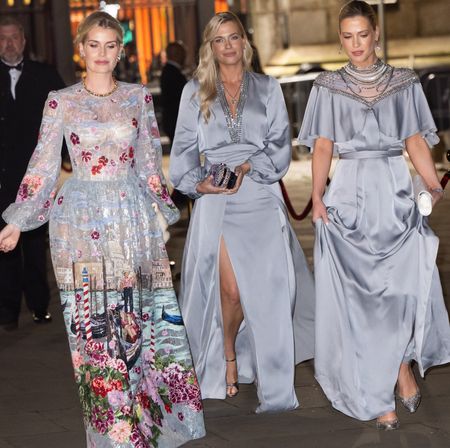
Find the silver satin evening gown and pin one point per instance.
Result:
(274, 281)
(378, 295)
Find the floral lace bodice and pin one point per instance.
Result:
(109, 139)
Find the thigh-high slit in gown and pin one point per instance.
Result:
(275, 285)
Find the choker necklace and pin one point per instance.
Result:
(116, 85)
(368, 74)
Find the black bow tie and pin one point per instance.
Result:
(18, 67)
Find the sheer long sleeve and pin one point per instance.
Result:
(271, 163)
(185, 168)
(38, 188)
(149, 160)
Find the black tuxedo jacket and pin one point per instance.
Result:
(172, 83)
(20, 120)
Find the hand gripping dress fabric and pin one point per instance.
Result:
(275, 285)
(379, 300)
(132, 363)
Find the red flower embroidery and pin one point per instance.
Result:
(134, 122)
(168, 409)
(154, 131)
(53, 104)
(96, 169)
(95, 235)
(74, 138)
(86, 156)
(47, 204)
(131, 152)
(102, 160)
(123, 157)
(60, 200)
(147, 98)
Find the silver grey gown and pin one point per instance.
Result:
(378, 295)
(274, 281)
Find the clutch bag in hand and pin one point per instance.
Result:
(222, 176)
(423, 197)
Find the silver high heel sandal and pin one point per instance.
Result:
(388, 425)
(234, 385)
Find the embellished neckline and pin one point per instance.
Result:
(368, 83)
(367, 75)
(234, 122)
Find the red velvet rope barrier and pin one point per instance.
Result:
(297, 216)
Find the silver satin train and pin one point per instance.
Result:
(272, 274)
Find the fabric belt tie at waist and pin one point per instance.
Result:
(371, 154)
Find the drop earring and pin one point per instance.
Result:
(340, 49)
(377, 45)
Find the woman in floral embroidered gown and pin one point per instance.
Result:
(130, 353)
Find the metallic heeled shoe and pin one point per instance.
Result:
(411, 403)
(388, 425)
(234, 385)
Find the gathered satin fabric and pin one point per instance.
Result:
(275, 285)
(379, 300)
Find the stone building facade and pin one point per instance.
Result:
(280, 24)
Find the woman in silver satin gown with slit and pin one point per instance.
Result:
(246, 291)
(379, 302)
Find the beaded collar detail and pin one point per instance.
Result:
(369, 85)
(234, 122)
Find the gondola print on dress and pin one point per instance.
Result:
(132, 363)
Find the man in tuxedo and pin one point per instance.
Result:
(24, 86)
(172, 83)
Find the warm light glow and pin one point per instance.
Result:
(220, 6)
(10, 2)
(27, 2)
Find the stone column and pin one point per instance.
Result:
(205, 10)
(62, 39)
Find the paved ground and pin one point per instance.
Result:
(39, 406)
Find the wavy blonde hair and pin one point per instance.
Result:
(207, 71)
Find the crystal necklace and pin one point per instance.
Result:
(368, 75)
(116, 85)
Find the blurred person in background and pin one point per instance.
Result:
(379, 302)
(24, 86)
(172, 83)
(246, 291)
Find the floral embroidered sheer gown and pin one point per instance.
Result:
(378, 295)
(129, 349)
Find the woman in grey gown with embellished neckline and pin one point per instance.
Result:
(246, 291)
(379, 302)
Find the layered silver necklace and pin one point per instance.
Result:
(369, 82)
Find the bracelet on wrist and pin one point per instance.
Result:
(437, 190)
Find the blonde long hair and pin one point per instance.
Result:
(207, 71)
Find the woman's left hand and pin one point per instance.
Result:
(240, 171)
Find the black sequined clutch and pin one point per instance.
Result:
(222, 176)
